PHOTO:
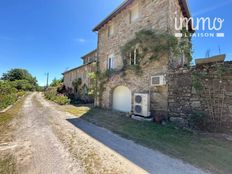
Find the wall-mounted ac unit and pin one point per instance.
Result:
(142, 104)
(158, 80)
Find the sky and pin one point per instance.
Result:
(51, 35)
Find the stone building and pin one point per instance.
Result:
(115, 31)
(81, 72)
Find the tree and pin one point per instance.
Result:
(19, 74)
(21, 79)
(56, 82)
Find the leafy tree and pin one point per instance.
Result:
(21, 79)
(23, 85)
(56, 82)
(19, 74)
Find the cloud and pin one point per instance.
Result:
(212, 8)
(81, 40)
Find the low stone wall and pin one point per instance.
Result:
(203, 90)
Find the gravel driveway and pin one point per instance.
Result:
(51, 141)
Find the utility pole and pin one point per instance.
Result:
(47, 79)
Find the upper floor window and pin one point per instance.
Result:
(110, 30)
(134, 13)
(110, 64)
(134, 57)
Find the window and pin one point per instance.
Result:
(110, 30)
(134, 57)
(134, 13)
(111, 62)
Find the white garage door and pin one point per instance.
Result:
(122, 99)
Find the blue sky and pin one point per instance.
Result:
(51, 35)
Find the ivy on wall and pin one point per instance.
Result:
(99, 79)
(153, 45)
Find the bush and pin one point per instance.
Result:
(196, 120)
(62, 99)
(51, 94)
(6, 100)
(24, 85)
(20, 93)
(8, 94)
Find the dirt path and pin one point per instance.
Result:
(47, 141)
(40, 151)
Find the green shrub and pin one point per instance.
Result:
(20, 93)
(24, 85)
(8, 94)
(62, 99)
(6, 88)
(6, 100)
(51, 94)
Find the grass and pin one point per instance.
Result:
(7, 164)
(205, 152)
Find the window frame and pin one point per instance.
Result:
(135, 57)
(110, 62)
(132, 10)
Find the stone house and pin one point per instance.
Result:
(81, 72)
(115, 31)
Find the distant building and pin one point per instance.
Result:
(81, 72)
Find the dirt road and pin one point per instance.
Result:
(46, 142)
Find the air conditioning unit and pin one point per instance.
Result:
(158, 80)
(142, 105)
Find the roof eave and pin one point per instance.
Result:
(183, 4)
(113, 14)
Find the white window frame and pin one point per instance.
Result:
(134, 13)
(110, 63)
(135, 57)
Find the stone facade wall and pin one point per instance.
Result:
(90, 57)
(153, 15)
(80, 72)
(214, 100)
(140, 84)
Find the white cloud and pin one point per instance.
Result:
(81, 40)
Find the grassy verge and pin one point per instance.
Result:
(7, 164)
(207, 153)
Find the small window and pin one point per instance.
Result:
(134, 13)
(110, 30)
(134, 57)
(110, 62)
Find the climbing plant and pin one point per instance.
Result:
(153, 45)
(99, 79)
(77, 87)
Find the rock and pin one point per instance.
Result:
(228, 137)
(230, 109)
(228, 93)
(196, 104)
